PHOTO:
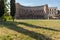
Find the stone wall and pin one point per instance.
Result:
(36, 12)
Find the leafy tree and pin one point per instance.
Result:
(6, 14)
(12, 9)
(6, 6)
(3, 9)
(2, 6)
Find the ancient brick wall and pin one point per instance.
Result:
(37, 12)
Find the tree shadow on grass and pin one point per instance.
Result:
(34, 26)
(37, 36)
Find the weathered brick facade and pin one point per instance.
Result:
(36, 12)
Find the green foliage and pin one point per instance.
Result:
(2, 6)
(6, 7)
(6, 13)
(6, 17)
(12, 8)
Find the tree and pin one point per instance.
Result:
(6, 6)
(6, 14)
(2, 6)
(12, 9)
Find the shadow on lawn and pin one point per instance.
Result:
(13, 26)
(34, 26)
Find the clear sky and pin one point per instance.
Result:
(51, 3)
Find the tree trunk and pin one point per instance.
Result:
(13, 19)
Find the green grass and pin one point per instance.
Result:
(30, 30)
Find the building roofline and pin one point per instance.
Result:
(31, 6)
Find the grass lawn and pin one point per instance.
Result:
(30, 30)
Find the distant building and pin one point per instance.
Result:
(58, 15)
(52, 12)
(36, 12)
(59, 12)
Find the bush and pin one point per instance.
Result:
(5, 18)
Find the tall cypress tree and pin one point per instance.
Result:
(12, 8)
(2, 6)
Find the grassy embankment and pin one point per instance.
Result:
(30, 30)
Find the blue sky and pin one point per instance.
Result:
(51, 3)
